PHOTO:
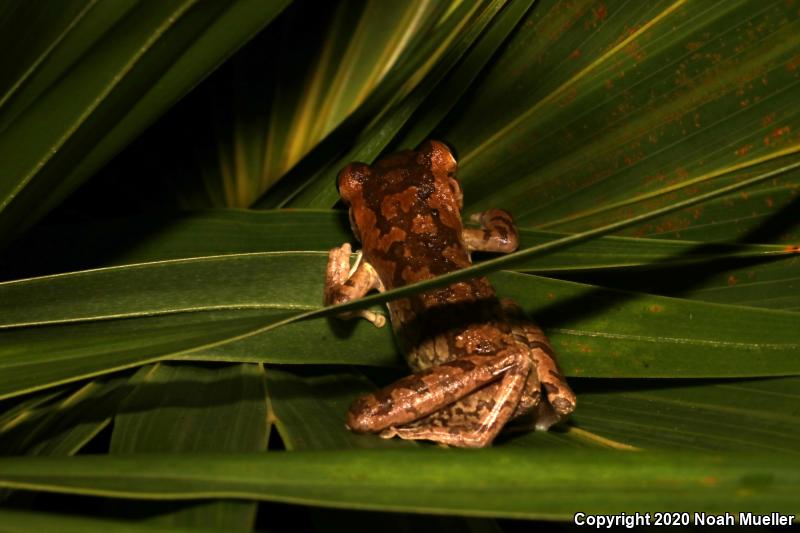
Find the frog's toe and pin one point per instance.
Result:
(559, 394)
(389, 433)
(563, 406)
(377, 319)
(338, 265)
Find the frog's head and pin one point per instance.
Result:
(398, 186)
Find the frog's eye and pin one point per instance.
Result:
(441, 155)
(350, 179)
(341, 178)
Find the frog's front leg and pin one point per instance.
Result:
(344, 283)
(497, 233)
(464, 402)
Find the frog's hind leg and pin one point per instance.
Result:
(344, 283)
(559, 399)
(418, 395)
(497, 233)
(474, 420)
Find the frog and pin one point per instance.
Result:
(478, 363)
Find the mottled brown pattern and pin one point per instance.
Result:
(416, 395)
(477, 362)
(497, 233)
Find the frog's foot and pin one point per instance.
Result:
(497, 233)
(558, 400)
(344, 283)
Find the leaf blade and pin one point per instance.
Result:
(437, 481)
(92, 100)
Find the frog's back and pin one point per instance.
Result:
(406, 211)
(409, 218)
(445, 323)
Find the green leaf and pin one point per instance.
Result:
(190, 408)
(513, 482)
(757, 415)
(388, 47)
(309, 410)
(618, 254)
(183, 408)
(653, 336)
(446, 95)
(763, 215)
(156, 237)
(64, 427)
(605, 110)
(22, 522)
(320, 190)
(398, 86)
(277, 281)
(65, 327)
(32, 360)
(355, 57)
(19, 410)
(99, 79)
(770, 284)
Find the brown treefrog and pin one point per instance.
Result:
(477, 362)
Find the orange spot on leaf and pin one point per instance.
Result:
(568, 98)
(600, 13)
(655, 308)
(780, 132)
(634, 51)
(732, 280)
